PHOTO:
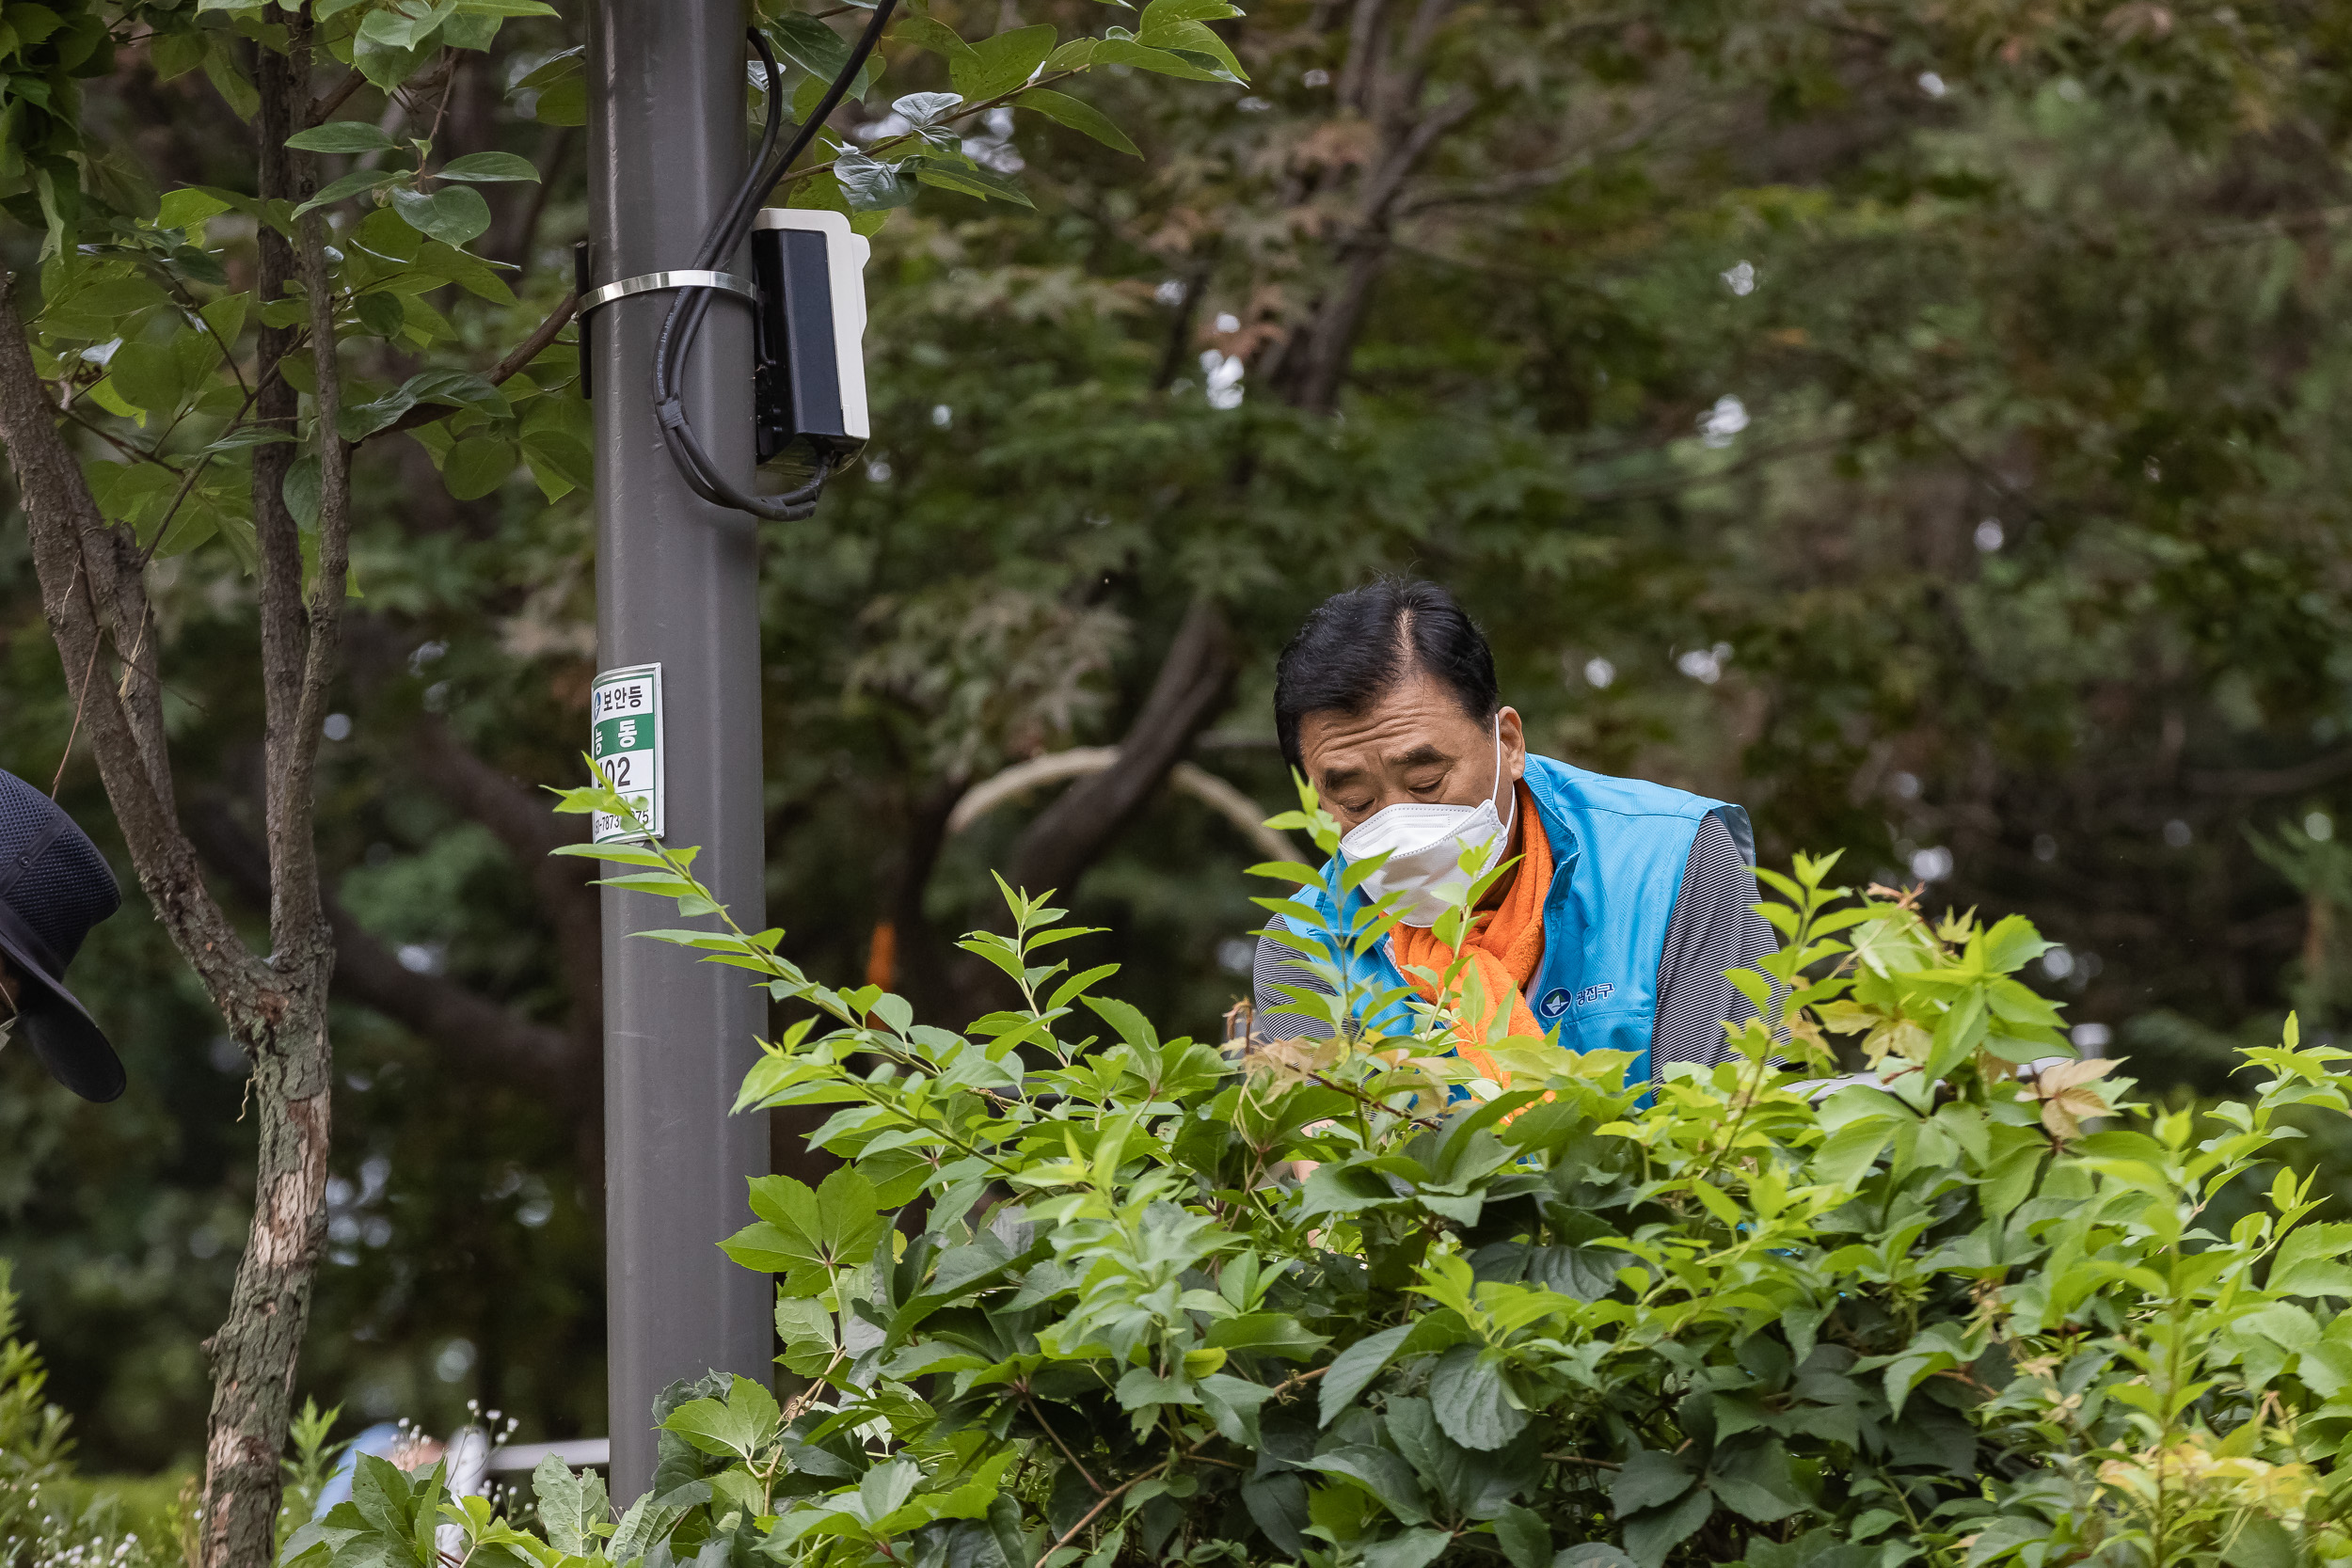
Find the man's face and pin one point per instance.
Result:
(1415, 744)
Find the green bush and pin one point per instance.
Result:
(1085, 1294)
(49, 1517)
(52, 1517)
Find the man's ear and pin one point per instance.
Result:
(1514, 743)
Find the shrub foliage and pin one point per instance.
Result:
(1085, 1294)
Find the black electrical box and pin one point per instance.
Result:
(810, 266)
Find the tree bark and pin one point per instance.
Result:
(90, 593)
(259, 1346)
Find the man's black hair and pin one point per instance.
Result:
(1359, 645)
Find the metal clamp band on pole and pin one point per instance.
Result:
(652, 282)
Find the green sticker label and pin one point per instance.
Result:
(625, 742)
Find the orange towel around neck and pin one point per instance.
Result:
(1507, 945)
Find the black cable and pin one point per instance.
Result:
(725, 235)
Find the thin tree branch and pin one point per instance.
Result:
(524, 353)
(73, 547)
(466, 1026)
(323, 109)
(294, 892)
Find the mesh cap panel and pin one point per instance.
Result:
(68, 888)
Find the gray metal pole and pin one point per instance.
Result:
(677, 586)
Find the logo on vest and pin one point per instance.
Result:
(1591, 994)
(1555, 1002)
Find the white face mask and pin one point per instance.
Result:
(1424, 846)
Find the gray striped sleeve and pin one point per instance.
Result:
(1277, 965)
(1714, 928)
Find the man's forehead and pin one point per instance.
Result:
(1411, 720)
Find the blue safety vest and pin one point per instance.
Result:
(1618, 850)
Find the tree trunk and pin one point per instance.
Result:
(255, 1350)
(276, 1012)
(93, 593)
(284, 1030)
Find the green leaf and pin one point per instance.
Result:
(470, 273)
(477, 465)
(343, 136)
(925, 32)
(1414, 1548)
(486, 168)
(1265, 1334)
(381, 315)
(1166, 30)
(357, 183)
(565, 65)
(817, 48)
(962, 177)
(572, 1508)
(241, 96)
(805, 1235)
(1472, 1401)
(884, 1487)
(2310, 1262)
(1352, 1369)
(303, 488)
(1078, 116)
(2263, 1542)
(995, 66)
(648, 1520)
(1756, 1479)
(148, 377)
(1593, 1554)
(1848, 1153)
(2012, 944)
(870, 185)
(1382, 1474)
(187, 206)
(564, 104)
(407, 28)
(1650, 1536)
(174, 55)
(1526, 1540)
(1168, 11)
(458, 389)
(452, 216)
(1649, 1479)
(922, 108)
(1143, 57)
(741, 1425)
(554, 455)
(1233, 1405)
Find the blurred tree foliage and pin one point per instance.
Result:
(1922, 425)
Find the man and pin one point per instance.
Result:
(1627, 902)
(53, 887)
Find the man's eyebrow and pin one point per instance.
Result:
(1421, 755)
(1336, 778)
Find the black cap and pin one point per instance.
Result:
(53, 887)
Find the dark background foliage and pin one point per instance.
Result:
(1927, 433)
